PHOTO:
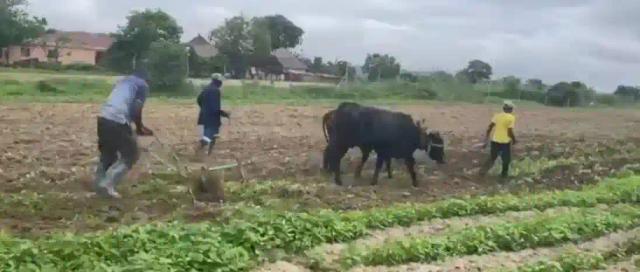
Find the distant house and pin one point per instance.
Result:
(292, 67)
(202, 47)
(65, 47)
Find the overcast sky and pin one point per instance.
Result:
(597, 41)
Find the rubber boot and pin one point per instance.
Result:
(116, 173)
(211, 145)
(100, 181)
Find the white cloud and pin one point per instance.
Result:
(594, 41)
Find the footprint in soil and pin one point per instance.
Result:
(113, 214)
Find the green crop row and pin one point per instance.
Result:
(586, 224)
(240, 244)
(581, 260)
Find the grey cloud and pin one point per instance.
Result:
(595, 41)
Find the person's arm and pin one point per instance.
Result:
(512, 136)
(218, 105)
(488, 134)
(199, 100)
(137, 106)
(510, 131)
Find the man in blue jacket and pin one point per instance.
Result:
(210, 113)
(116, 141)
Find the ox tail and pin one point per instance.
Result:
(325, 121)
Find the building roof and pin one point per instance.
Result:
(202, 47)
(77, 39)
(288, 60)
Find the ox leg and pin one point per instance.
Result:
(326, 158)
(365, 157)
(379, 161)
(389, 168)
(337, 155)
(411, 164)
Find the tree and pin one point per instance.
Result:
(282, 32)
(16, 26)
(260, 36)
(511, 84)
(54, 53)
(167, 64)
(628, 92)
(233, 39)
(535, 84)
(570, 94)
(133, 41)
(477, 70)
(317, 65)
(380, 67)
(409, 77)
(343, 68)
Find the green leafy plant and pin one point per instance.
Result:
(538, 232)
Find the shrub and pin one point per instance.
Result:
(79, 67)
(46, 87)
(167, 65)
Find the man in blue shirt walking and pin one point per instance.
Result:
(210, 112)
(116, 142)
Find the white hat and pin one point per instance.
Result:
(217, 76)
(509, 104)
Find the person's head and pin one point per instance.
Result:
(508, 106)
(216, 80)
(142, 74)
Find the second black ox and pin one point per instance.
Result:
(390, 134)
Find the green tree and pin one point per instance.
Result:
(571, 94)
(53, 54)
(343, 68)
(535, 84)
(167, 64)
(317, 66)
(16, 26)
(233, 39)
(283, 33)
(381, 67)
(477, 70)
(133, 41)
(628, 92)
(511, 84)
(260, 37)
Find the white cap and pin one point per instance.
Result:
(217, 76)
(509, 104)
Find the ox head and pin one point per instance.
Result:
(431, 142)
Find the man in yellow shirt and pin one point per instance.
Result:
(503, 138)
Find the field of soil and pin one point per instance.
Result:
(48, 154)
(48, 148)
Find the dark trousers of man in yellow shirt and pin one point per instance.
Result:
(502, 150)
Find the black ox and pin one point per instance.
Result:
(389, 134)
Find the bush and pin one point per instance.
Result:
(167, 65)
(80, 67)
(607, 99)
(46, 87)
(53, 66)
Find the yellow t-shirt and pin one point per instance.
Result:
(503, 122)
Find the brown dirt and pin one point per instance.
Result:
(50, 150)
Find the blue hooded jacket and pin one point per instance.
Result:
(210, 105)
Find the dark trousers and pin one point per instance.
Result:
(502, 150)
(113, 139)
